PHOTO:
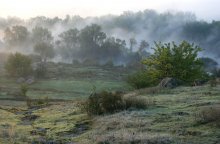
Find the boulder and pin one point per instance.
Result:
(168, 82)
(30, 80)
(199, 82)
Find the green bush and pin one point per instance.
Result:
(141, 79)
(18, 65)
(177, 61)
(23, 90)
(104, 102)
(108, 102)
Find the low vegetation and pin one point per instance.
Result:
(108, 103)
(180, 62)
(104, 102)
(18, 65)
(209, 114)
(181, 115)
(141, 79)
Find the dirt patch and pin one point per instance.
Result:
(39, 131)
(28, 119)
(180, 113)
(80, 128)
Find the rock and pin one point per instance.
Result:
(30, 118)
(199, 82)
(30, 80)
(20, 80)
(168, 83)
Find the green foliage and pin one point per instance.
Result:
(178, 61)
(23, 90)
(18, 65)
(108, 102)
(141, 79)
(92, 36)
(104, 102)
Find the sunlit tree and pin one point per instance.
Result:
(178, 61)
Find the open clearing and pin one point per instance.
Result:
(172, 118)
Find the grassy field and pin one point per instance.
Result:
(68, 84)
(172, 119)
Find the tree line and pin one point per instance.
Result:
(148, 25)
(88, 44)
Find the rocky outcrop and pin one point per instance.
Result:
(28, 80)
(168, 82)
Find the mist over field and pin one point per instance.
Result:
(148, 25)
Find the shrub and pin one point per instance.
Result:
(108, 102)
(23, 90)
(178, 61)
(209, 114)
(18, 65)
(141, 79)
(29, 102)
(104, 102)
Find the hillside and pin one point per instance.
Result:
(173, 118)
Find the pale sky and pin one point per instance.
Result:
(204, 9)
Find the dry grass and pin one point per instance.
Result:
(127, 127)
(149, 90)
(170, 120)
(138, 102)
(208, 115)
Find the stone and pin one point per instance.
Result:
(168, 82)
(30, 80)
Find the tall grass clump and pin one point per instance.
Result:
(138, 102)
(109, 102)
(103, 102)
(209, 115)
